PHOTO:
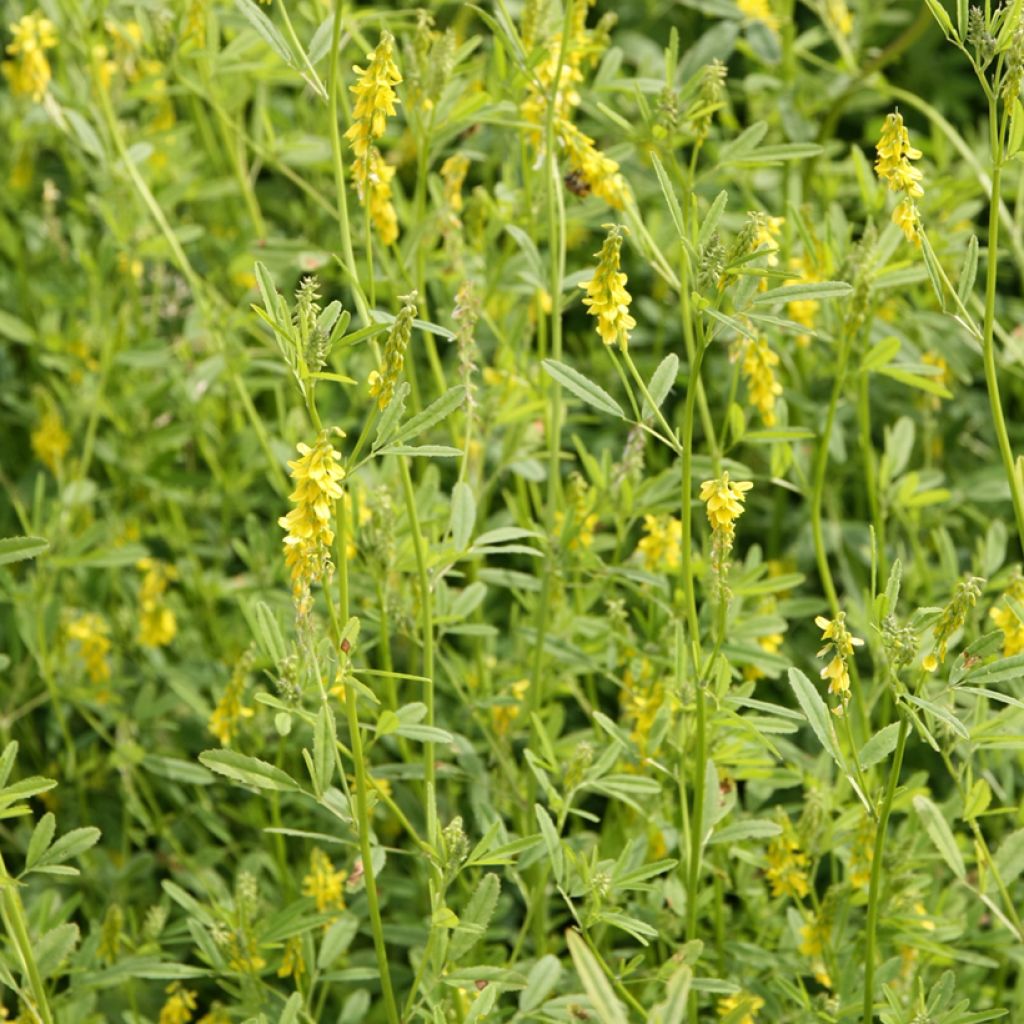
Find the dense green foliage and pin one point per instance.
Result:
(647, 640)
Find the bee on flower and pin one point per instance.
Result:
(840, 643)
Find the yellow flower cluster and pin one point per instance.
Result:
(453, 174)
(607, 299)
(814, 935)
(759, 10)
(92, 635)
(503, 715)
(323, 883)
(893, 166)
(724, 499)
(863, 854)
(180, 1005)
(763, 387)
(157, 624)
(29, 72)
(662, 543)
(600, 172)
(375, 103)
(839, 15)
(770, 643)
(293, 964)
(230, 712)
(744, 1001)
(1006, 620)
(50, 441)
(787, 866)
(766, 232)
(307, 544)
(840, 642)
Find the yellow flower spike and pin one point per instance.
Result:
(50, 441)
(724, 499)
(600, 173)
(893, 166)
(758, 366)
(840, 643)
(375, 96)
(92, 636)
(180, 1004)
(318, 475)
(29, 72)
(787, 866)
(607, 299)
(1007, 622)
(157, 623)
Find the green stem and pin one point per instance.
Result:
(16, 926)
(988, 336)
(871, 936)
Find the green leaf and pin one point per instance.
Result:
(969, 267)
(42, 835)
(915, 380)
(1010, 857)
(816, 712)
(540, 982)
(779, 153)
(599, 991)
(267, 31)
(880, 354)
(437, 411)
(69, 846)
(54, 948)
(556, 856)
(661, 383)
(15, 549)
(423, 451)
(290, 1013)
(250, 771)
(463, 515)
(675, 211)
(387, 425)
(472, 925)
(798, 292)
(940, 834)
(978, 799)
(755, 828)
(324, 740)
(942, 17)
(879, 746)
(673, 1009)
(583, 388)
(16, 330)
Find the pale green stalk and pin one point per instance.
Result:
(16, 926)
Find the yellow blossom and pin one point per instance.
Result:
(92, 635)
(906, 218)
(50, 441)
(766, 231)
(1006, 620)
(759, 10)
(607, 299)
(600, 172)
(504, 714)
(724, 499)
(307, 545)
(893, 166)
(181, 1003)
(323, 883)
(750, 1004)
(375, 96)
(787, 866)
(662, 543)
(453, 173)
(863, 854)
(839, 15)
(294, 964)
(814, 935)
(230, 712)
(803, 311)
(841, 644)
(759, 363)
(157, 623)
(216, 1015)
(373, 174)
(29, 72)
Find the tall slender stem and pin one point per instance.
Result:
(16, 926)
(871, 933)
(988, 325)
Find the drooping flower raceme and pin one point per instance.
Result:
(323, 883)
(383, 380)
(157, 623)
(840, 644)
(724, 499)
(375, 103)
(307, 545)
(893, 166)
(92, 635)
(607, 299)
